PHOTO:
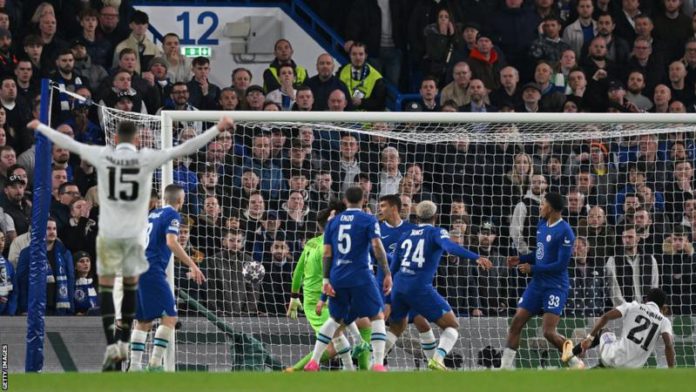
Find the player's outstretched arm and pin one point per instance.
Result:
(601, 323)
(669, 349)
(180, 253)
(58, 138)
(191, 146)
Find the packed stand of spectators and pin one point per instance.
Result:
(253, 195)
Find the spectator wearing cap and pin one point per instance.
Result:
(485, 243)
(283, 55)
(549, 46)
(678, 270)
(531, 95)
(178, 66)
(583, 29)
(255, 97)
(8, 291)
(157, 77)
(8, 60)
(644, 59)
(85, 297)
(616, 95)
(484, 61)
(98, 48)
(94, 74)
(15, 204)
(144, 48)
(587, 283)
(464, 46)
(60, 276)
(479, 97)
(634, 93)
(516, 27)
(441, 39)
(324, 82)
(365, 84)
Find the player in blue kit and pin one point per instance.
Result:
(415, 263)
(155, 296)
(392, 228)
(348, 279)
(548, 290)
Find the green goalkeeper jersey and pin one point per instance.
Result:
(309, 270)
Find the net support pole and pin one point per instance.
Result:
(166, 179)
(37, 249)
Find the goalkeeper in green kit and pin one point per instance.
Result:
(308, 274)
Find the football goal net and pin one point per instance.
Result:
(253, 194)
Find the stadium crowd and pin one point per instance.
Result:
(253, 195)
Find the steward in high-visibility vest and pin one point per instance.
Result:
(283, 55)
(365, 84)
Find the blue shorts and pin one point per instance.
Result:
(539, 300)
(155, 299)
(351, 303)
(425, 301)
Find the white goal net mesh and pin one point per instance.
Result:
(253, 196)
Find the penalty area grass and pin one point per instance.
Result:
(561, 380)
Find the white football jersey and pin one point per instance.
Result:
(642, 326)
(125, 178)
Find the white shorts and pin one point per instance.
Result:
(608, 349)
(121, 256)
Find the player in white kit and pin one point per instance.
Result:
(125, 183)
(641, 326)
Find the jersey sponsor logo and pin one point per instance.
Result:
(540, 250)
(444, 234)
(343, 261)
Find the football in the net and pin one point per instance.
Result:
(253, 272)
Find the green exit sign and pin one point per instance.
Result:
(196, 51)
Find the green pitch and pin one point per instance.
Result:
(680, 380)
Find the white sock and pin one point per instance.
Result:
(378, 340)
(448, 338)
(391, 341)
(159, 345)
(326, 332)
(342, 346)
(428, 343)
(508, 359)
(137, 346)
(355, 333)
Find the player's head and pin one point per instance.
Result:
(353, 196)
(426, 211)
(126, 132)
(174, 195)
(553, 203)
(657, 296)
(323, 217)
(389, 207)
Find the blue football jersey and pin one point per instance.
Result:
(350, 234)
(419, 253)
(391, 234)
(162, 221)
(554, 249)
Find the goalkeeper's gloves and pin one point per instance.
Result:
(294, 306)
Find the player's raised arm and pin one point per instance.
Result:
(60, 139)
(191, 146)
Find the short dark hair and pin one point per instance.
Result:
(200, 60)
(555, 200)
(126, 51)
(139, 17)
(89, 12)
(171, 192)
(657, 296)
(127, 130)
(323, 217)
(354, 195)
(393, 200)
(61, 188)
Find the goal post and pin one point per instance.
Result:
(485, 171)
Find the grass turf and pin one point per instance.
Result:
(679, 380)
